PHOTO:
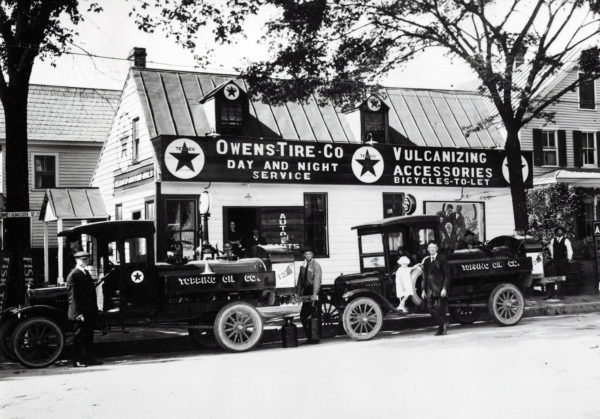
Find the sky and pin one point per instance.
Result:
(113, 33)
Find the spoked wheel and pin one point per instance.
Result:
(506, 305)
(238, 327)
(330, 319)
(362, 318)
(6, 345)
(38, 342)
(465, 315)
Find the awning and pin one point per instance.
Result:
(73, 204)
(573, 177)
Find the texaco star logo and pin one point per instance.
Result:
(184, 158)
(137, 276)
(231, 91)
(524, 169)
(374, 104)
(367, 164)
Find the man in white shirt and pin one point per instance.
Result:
(561, 253)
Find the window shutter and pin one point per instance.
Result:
(598, 148)
(577, 148)
(538, 154)
(562, 148)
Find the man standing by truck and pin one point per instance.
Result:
(436, 281)
(309, 284)
(83, 309)
(562, 253)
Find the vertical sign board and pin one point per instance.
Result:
(597, 250)
(4, 280)
(28, 271)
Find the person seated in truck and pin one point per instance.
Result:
(228, 253)
(470, 242)
(448, 238)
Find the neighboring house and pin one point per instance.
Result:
(67, 127)
(303, 174)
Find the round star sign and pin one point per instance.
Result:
(137, 276)
(367, 164)
(231, 92)
(184, 158)
(524, 169)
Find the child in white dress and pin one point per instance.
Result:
(404, 282)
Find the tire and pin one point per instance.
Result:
(238, 327)
(465, 315)
(6, 345)
(506, 305)
(330, 320)
(203, 338)
(38, 342)
(362, 318)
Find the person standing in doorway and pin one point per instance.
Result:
(235, 238)
(309, 284)
(436, 282)
(561, 253)
(83, 310)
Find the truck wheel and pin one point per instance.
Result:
(506, 305)
(38, 342)
(362, 318)
(465, 315)
(6, 330)
(238, 327)
(330, 319)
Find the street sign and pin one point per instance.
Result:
(19, 214)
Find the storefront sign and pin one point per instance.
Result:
(4, 279)
(233, 159)
(596, 228)
(489, 267)
(135, 176)
(19, 214)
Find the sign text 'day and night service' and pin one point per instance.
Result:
(239, 160)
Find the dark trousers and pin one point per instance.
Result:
(305, 314)
(83, 341)
(437, 308)
(561, 267)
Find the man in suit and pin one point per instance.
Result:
(83, 309)
(436, 282)
(562, 253)
(469, 242)
(254, 240)
(309, 284)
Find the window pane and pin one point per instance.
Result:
(372, 243)
(550, 158)
(396, 241)
(392, 204)
(173, 215)
(315, 222)
(150, 210)
(587, 94)
(188, 216)
(373, 262)
(187, 244)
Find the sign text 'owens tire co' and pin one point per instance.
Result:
(231, 159)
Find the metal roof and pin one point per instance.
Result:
(56, 113)
(73, 204)
(172, 102)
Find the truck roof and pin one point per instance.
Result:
(113, 229)
(402, 220)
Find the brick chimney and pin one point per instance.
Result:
(138, 56)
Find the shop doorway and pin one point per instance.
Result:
(245, 219)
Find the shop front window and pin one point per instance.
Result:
(181, 228)
(550, 149)
(315, 223)
(588, 148)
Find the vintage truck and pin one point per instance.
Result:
(486, 277)
(211, 298)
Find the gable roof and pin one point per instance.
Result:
(173, 105)
(57, 113)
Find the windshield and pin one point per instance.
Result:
(371, 243)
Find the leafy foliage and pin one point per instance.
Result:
(553, 206)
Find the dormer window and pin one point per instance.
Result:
(374, 120)
(231, 110)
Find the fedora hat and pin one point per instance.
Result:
(81, 255)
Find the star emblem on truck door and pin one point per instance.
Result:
(367, 164)
(184, 158)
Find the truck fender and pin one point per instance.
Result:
(364, 292)
(40, 310)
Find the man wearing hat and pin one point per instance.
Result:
(309, 283)
(83, 310)
(561, 253)
(469, 242)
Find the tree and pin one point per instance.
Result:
(341, 49)
(29, 29)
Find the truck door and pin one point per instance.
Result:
(138, 277)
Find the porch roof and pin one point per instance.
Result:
(73, 204)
